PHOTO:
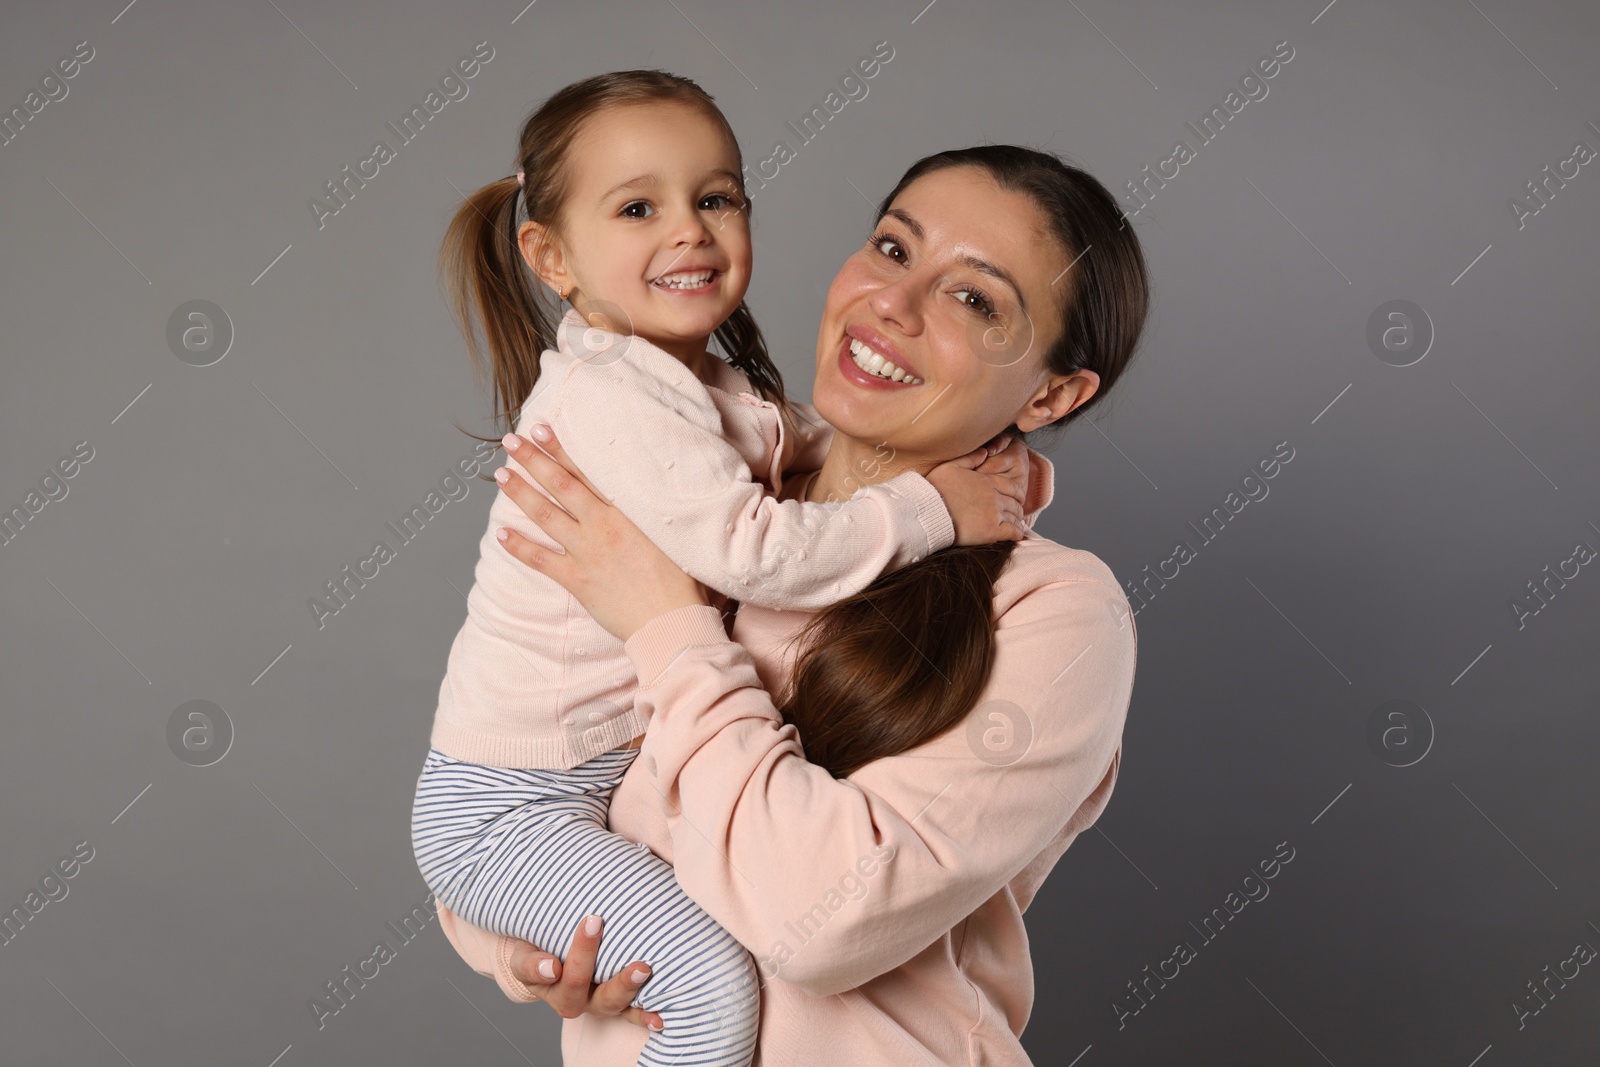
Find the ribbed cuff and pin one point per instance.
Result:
(1041, 486)
(513, 987)
(654, 646)
(932, 515)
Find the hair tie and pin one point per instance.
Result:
(520, 179)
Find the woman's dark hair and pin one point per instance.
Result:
(857, 692)
(484, 267)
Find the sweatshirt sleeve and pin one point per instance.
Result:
(846, 879)
(1041, 487)
(486, 952)
(652, 442)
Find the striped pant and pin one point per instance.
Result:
(527, 853)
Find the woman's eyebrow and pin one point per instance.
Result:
(994, 271)
(977, 263)
(906, 220)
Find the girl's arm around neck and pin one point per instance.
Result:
(806, 438)
(656, 449)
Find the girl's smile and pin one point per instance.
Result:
(689, 281)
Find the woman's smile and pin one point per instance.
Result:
(861, 365)
(871, 360)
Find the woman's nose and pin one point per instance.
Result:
(900, 302)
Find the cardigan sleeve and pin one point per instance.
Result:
(832, 882)
(654, 445)
(806, 440)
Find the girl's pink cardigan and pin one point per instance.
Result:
(532, 680)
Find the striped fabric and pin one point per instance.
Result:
(527, 853)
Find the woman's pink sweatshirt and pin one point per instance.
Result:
(885, 908)
(532, 680)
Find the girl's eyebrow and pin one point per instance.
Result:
(975, 262)
(645, 180)
(631, 183)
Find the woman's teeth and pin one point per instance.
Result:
(693, 279)
(874, 363)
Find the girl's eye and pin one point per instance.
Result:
(975, 300)
(718, 202)
(638, 209)
(889, 246)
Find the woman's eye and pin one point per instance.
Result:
(889, 247)
(975, 300)
(638, 209)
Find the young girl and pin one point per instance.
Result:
(635, 213)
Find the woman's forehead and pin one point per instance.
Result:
(966, 204)
(964, 213)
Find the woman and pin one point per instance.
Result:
(962, 717)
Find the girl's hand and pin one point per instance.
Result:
(617, 573)
(984, 491)
(570, 989)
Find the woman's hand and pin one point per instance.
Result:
(617, 573)
(570, 989)
(984, 491)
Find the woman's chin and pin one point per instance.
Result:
(856, 412)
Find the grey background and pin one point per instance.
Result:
(1382, 566)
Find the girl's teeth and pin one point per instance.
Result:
(685, 281)
(874, 363)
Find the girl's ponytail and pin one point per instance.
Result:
(488, 279)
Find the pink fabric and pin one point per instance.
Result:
(532, 680)
(885, 909)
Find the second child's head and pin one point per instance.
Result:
(633, 208)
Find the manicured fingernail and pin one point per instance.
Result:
(501, 534)
(511, 441)
(638, 977)
(547, 968)
(540, 431)
(591, 926)
(655, 1027)
(502, 476)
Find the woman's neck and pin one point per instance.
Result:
(852, 463)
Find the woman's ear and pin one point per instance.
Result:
(541, 250)
(1057, 398)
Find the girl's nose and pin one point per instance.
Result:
(690, 228)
